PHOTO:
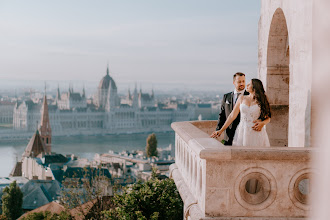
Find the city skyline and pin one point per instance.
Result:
(151, 43)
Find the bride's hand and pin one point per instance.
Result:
(215, 134)
(258, 125)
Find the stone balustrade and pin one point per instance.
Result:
(224, 182)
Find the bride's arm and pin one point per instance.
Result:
(266, 121)
(232, 116)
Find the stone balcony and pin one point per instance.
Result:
(221, 182)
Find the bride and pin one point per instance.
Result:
(254, 108)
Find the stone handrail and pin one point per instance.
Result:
(215, 180)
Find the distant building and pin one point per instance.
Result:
(70, 99)
(44, 172)
(70, 114)
(204, 109)
(6, 112)
(132, 166)
(166, 153)
(37, 159)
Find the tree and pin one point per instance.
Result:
(86, 190)
(151, 148)
(12, 200)
(153, 199)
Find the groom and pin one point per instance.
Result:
(228, 103)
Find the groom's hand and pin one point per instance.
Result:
(258, 125)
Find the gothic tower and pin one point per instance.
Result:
(135, 98)
(84, 92)
(45, 129)
(58, 94)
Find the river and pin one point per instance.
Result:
(82, 146)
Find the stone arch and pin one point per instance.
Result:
(278, 79)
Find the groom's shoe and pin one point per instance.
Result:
(228, 143)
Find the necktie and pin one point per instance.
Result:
(237, 96)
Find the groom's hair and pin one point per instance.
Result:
(238, 74)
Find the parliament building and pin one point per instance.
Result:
(71, 114)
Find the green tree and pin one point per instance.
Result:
(151, 148)
(153, 199)
(12, 200)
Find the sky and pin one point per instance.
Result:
(154, 43)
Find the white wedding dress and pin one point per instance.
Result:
(245, 135)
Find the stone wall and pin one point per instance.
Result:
(285, 62)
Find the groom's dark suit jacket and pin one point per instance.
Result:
(226, 108)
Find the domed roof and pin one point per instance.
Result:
(106, 80)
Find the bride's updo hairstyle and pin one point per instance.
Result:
(261, 99)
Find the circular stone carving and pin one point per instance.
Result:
(300, 188)
(255, 188)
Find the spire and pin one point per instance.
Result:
(108, 69)
(135, 89)
(70, 87)
(58, 94)
(129, 94)
(45, 88)
(84, 93)
(135, 102)
(45, 129)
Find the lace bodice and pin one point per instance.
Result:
(244, 134)
(249, 113)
